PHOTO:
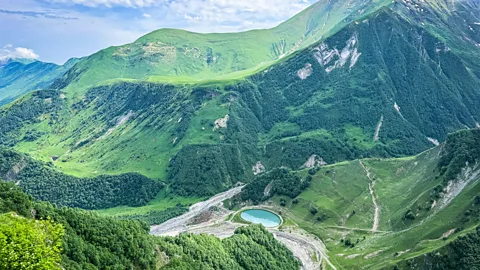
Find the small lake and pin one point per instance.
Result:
(257, 216)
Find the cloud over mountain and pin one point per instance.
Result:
(9, 52)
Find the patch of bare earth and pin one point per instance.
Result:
(332, 59)
(434, 141)
(268, 188)
(221, 122)
(179, 224)
(305, 72)
(373, 254)
(258, 168)
(376, 137)
(120, 121)
(313, 161)
(455, 187)
(12, 174)
(353, 256)
(448, 233)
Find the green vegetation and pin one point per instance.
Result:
(33, 108)
(463, 253)
(75, 239)
(417, 214)
(461, 149)
(364, 108)
(157, 217)
(29, 244)
(251, 247)
(277, 182)
(47, 184)
(352, 82)
(192, 57)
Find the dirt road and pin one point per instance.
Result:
(371, 186)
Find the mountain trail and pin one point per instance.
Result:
(371, 187)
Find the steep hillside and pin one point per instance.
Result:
(19, 77)
(380, 87)
(377, 213)
(171, 55)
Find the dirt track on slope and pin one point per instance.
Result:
(371, 186)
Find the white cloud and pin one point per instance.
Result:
(222, 15)
(111, 3)
(9, 52)
(224, 9)
(147, 15)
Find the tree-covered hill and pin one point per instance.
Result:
(45, 183)
(65, 238)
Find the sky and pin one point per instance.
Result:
(56, 30)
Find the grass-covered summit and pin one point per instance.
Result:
(172, 55)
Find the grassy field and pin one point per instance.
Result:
(341, 195)
(163, 201)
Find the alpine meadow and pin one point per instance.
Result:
(355, 123)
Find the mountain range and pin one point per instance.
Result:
(358, 87)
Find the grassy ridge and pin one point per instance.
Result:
(220, 56)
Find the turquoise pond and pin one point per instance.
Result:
(257, 216)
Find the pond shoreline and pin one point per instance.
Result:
(260, 219)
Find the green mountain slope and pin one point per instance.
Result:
(172, 55)
(417, 207)
(159, 125)
(380, 87)
(19, 77)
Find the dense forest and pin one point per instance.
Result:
(461, 149)
(276, 182)
(47, 184)
(89, 241)
(77, 239)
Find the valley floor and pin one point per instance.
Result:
(308, 248)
